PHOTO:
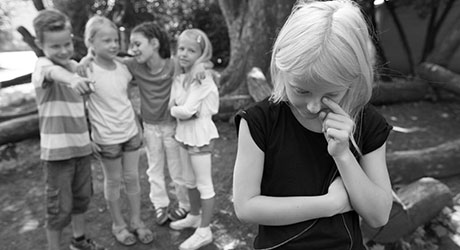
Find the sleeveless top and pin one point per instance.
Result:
(297, 163)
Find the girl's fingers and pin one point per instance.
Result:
(336, 134)
(346, 125)
(335, 108)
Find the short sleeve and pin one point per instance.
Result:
(42, 67)
(375, 130)
(125, 70)
(257, 118)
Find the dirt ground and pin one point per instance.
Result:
(22, 188)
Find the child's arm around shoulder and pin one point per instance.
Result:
(47, 70)
(199, 71)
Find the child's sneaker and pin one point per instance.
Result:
(161, 215)
(177, 214)
(85, 244)
(188, 221)
(201, 237)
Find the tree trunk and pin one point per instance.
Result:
(438, 162)
(434, 26)
(381, 60)
(252, 27)
(443, 53)
(78, 13)
(19, 129)
(416, 204)
(440, 77)
(402, 35)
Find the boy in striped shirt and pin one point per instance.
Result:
(64, 138)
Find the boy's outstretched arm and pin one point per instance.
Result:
(81, 85)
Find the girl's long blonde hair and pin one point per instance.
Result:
(326, 42)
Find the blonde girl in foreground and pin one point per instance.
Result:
(311, 158)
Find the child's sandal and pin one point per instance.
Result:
(123, 236)
(144, 235)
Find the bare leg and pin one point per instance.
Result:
(78, 225)
(112, 181)
(131, 177)
(54, 238)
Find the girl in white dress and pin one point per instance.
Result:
(193, 102)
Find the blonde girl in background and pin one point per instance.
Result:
(114, 129)
(153, 69)
(193, 103)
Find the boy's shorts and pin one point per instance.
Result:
(68, 190)
(113, 151)
(194, 150)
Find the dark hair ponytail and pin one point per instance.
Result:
(151, 30)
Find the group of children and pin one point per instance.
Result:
(178, 98)
(310, 160)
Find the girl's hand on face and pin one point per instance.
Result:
(339, 196)
(337, 128)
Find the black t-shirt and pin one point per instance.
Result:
(297, 163)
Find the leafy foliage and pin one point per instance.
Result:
(5, 24)
(174, 16)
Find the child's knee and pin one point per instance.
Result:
(112, 189)
(132, 184)
(206, 190)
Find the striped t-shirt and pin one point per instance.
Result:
(63, 127)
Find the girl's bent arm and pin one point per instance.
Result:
(198, 91)
(369, 187)
(251, 206)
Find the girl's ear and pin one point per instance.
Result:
(154, 42)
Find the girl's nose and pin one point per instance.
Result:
(64, 51)
(314, 106)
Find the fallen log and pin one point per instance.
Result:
(400, 91)
(19, 129)
(6, 116)
(440, 77)
(24, 125)
(28, 38)
(414, 205)
(439, 161)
